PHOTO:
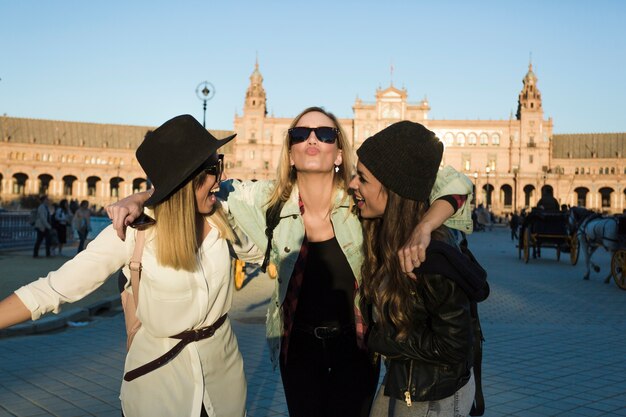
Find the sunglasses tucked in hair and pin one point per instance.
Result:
(324, 134)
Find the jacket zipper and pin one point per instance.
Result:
(407, 393)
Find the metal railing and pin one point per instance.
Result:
(16, 232)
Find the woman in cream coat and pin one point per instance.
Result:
(185, 286)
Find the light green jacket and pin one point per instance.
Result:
(247, 204)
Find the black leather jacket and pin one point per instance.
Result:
(435, 360)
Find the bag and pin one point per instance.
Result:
(32, 217)
(272, 218)
(130, 301)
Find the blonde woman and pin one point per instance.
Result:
(184, 360)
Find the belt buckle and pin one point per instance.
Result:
(322, 329)
(197, 334)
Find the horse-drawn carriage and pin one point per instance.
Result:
(599, 231)
(545, 229)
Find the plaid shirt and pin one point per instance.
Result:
(291, 299)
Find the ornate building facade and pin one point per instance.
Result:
(511, 162)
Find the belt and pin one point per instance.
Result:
(324, 332)
(185, 337)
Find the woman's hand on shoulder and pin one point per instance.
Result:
(126, 211)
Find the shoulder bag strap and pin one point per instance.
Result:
(272, 218)
(134, 264)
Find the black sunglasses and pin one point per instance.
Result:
(324, 134)
(216, 169)
(142, 222)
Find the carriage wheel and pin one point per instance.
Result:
(526, 245)
(574, 249)
(618, 268)
(238, 273)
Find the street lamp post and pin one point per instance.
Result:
(205, 92)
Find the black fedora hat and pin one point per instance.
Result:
(173, 153)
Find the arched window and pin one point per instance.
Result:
(581, 196)
(44, 183)
(605, 195)
(529, 193)
(92, 183)
(495, 139)
(115, 186)
(19, 183)
(68, 183)
(506, 195)
(471, 139)
(139, 184)
(448, 139)
(484, 139)
(460, 139)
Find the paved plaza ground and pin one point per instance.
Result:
(555, 344)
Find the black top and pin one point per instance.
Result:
(327, 293)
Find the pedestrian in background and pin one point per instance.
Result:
(514, 225)
(43, 226)
(82, 224)
(61, 217)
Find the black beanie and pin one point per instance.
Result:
(405, 158)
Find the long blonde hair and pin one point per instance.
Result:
(287, 175)
(177, 227)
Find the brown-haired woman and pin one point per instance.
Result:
(423, 327)
(185, 289)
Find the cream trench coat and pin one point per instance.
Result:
(209, 371)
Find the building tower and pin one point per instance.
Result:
(255, 104)
(535, 134)
(250, 146)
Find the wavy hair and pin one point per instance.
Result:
(286, 176)
(390, 290)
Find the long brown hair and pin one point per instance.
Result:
(384, 284)
(286, 175)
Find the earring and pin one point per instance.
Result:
(336, 168)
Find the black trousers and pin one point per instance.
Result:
(329, 378)
(45, 235)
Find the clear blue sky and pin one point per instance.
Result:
(139, 62)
